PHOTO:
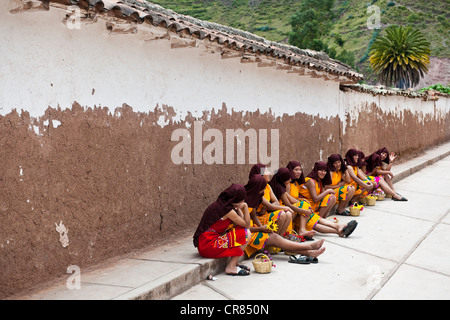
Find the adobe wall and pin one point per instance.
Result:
(402, 124)
(87, 136)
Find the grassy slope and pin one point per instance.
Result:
(431, 17)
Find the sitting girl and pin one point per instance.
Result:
(358, 178)
(223, 230)
(282, 188)
(270, 208)
(374, 172)
(387, 160)
(340, 183)
(321, 200)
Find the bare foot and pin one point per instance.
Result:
(341, 230)
(317, 244)
(308, 234)
(231, 269)
(315, 253)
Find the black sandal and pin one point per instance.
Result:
(343, 213)
(241, 272)
(244, 267)
(298, 260)
(351, 226)
(312, 259)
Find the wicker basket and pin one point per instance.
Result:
(272, 249)
(295, 233)
(370, 201)
(363, 200)
(355, 211)
(262, 263)
(380, 197)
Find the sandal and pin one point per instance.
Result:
(240, 272)
(343, 213)
(312, 259)
(244, 267)
(351, 226)
(298, 260)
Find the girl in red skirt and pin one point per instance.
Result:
(224, 229)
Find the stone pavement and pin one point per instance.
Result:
(398, 251)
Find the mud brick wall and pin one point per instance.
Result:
(87, 118)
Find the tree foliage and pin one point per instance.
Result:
(311, 23)
(401, 57)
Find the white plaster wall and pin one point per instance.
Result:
(353, 102)
(44, 63)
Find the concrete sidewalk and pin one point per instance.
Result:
(398, 251)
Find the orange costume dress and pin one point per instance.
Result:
(259, 239)
(304, 191)
(341, 192)
(312, 218)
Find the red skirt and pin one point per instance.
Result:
(222, 239)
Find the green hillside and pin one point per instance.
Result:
(349, 30)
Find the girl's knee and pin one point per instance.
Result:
(286, 215)
(332, 199)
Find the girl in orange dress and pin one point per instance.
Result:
(280, 184)
(224, 231)
(321, 200)
(303, 224)
(358, 178)
(340, 183)
(269, 208)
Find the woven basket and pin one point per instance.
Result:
(371, 201)
(355, 211)
(363, 200)
(272, 249)
(295, 233)
(262, 263)
(380, 197)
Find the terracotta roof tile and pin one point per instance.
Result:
(138, 11)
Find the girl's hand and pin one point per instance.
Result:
(392, 157)
(288, 210)
(265, 229)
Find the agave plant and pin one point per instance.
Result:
(401, 57)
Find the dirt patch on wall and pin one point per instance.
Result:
(406, 133)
